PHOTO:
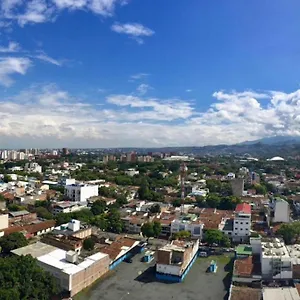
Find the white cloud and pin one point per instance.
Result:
(40, 11)
(12, 47)
(44, 57)
(143, 88)
(134, 30)
(138, 76)
(12, 65)
(47, 116)
(188, 90)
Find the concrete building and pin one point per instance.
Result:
(66, 181)
(175, 259)
(33, 167)
(3, 223)
(74, 273)
(283, 293)
(132, 172)
(80, 192)
(73, 228)
(188, 222)
(281, 211)
(68, 207)
(242, 222)
(237, 185)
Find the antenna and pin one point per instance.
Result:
(183, 171)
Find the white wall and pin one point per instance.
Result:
(168, 269)
(3, 221)
(281, 213)
(80, 193)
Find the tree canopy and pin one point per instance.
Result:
(12, 241)
(215, 236)
(181, 235)
(22, 278)
(151, 229)
(88, 244)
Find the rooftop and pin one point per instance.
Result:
(243, 250)
(35, 250)
(179, 246)
(282, 293)
(274, 247)
(242, 293)
(243, 208)
(18, 213)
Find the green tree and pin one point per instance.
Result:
(114, 221)
(100, 221)
(98, 207)
(226, 241)
(176, 202)
(144, 191)
(88, 244)
(260, 189)
(63, 218)
(156, 229)
(213, 236)
(213, 200)
(7, 178)
(147, 229)
(121, 200)
(155, 208)
(12, 241)
(44, 213)
(22, 278)
(289, 232)
(181, 235)
(15, 207)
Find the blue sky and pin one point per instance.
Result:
(109, 73)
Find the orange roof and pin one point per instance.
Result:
(115, 248)
(243, 208)
(31, 228)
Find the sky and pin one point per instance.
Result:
(147, 73)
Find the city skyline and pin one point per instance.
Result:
(115, 73)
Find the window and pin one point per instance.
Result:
(247, 223)
(241, 228)
(235, 234)
(235, 229)
(229, 233)
(241, 222)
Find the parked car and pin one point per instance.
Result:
(203, 254)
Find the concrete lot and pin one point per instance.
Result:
(135, 281)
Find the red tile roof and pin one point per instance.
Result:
(243, 208)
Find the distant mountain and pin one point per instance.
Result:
(274, 140)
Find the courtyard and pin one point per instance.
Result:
(136, 280)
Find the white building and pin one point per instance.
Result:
(230, 176)
(66, 181)
(33, 167)
(276, 260)
(3, 223)
(174, 258)
(80, 192)
(281, 211)
(132, 172)
(242, 222)
(72, 272)
(68, 207)
(188, 223)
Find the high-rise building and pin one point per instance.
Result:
(65, 151)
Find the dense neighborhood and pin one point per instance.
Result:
(71, 217)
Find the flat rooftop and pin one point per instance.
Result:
(274, 247)
(285, 293)
(35, 250)
(57, 259)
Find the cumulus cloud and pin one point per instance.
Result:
(47, 116)
(12, 65)
(40, 11)
(134, 30)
